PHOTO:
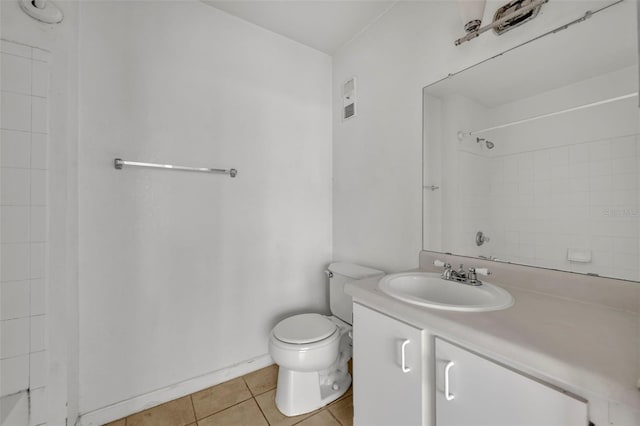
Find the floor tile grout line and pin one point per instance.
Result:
(153, 408)
(252, 396)
(193, 406)
(262, 412)
(335, 418)
(325, 408)
(225, 409)
(333, 415)
(342, 397)
(314, 413)
(251, 390)
(248, 387)
(262, 393)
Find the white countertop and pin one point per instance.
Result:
(588, 349)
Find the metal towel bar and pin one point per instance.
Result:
(119, 163)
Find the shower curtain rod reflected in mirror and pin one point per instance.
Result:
(462, 134)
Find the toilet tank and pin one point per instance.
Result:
(341, 273)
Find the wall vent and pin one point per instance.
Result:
(349, 99)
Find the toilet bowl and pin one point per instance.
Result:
(313, 350)
(313, 361)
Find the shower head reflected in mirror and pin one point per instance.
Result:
(42, 10)
(488, 144)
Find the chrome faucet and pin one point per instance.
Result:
(469, 276)
(459, 275)
(446, 274)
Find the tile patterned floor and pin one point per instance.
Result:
(246, 401)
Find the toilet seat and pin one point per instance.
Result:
(303, 329)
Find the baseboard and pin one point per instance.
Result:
(142, 402)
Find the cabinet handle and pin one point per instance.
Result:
(403, 356)
(448, 395)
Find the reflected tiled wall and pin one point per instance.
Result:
(583, 196)
(24, 81)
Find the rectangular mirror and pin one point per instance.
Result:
(533, 156)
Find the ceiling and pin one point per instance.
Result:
(325, 25)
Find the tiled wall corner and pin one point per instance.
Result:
(24, 87)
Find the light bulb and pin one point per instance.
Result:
(471, 13)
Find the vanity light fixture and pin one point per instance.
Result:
(514, 7)
(471, 13)
(507, 17)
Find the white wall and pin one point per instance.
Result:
(377, 164)
(182, 274)
(49, 162)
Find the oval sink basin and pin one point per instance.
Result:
(430, 290)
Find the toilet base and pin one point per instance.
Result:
(302, 392)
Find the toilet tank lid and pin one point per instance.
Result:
(351, 270)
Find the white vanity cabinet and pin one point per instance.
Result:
(395, 385)
(472, 390)
(387, 370)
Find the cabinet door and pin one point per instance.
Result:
(387, 370)
(471, 390)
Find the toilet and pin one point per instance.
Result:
(312, 350)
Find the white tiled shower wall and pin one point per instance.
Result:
(556, 185)
(561, 183)
(24, 82)
(583, 196)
